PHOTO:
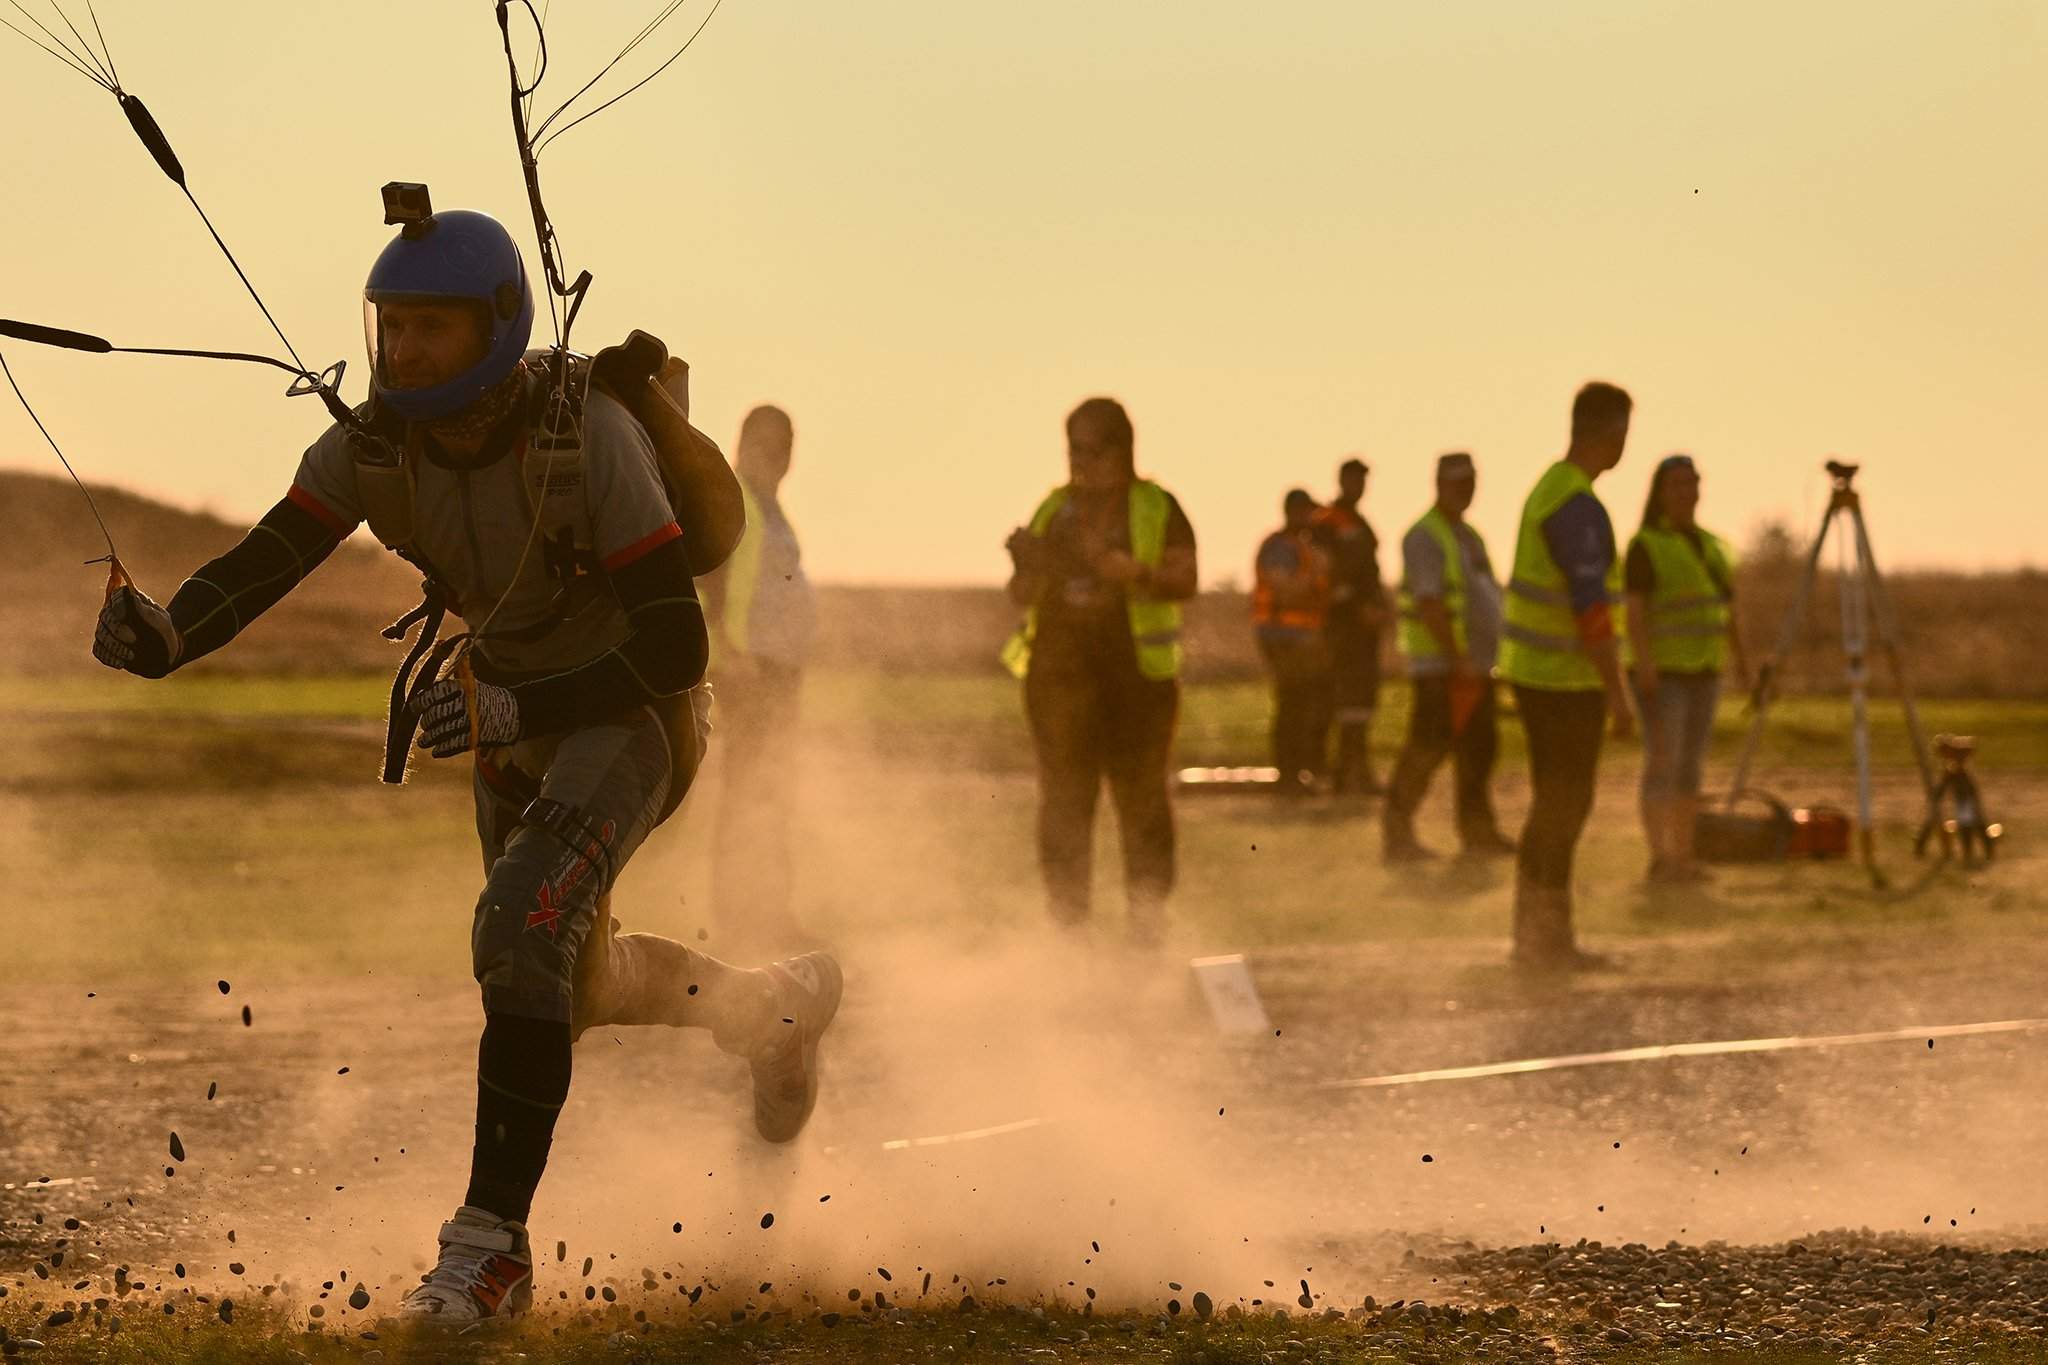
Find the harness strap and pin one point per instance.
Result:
(483, 1239)
(418, 671)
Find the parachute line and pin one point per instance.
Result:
(62, 51)
(105, 534)
(709, 14)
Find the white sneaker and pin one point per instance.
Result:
(786, 1066)
(485, 1271)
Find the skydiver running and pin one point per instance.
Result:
(584, 711)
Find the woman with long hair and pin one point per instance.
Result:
(1681, 634)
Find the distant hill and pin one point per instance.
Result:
(1965, 634)
(49, 597)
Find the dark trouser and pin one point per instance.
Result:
(751, 870)
(1564, 730)
(1431, 735)
(545, 942)
(1089, 723)
(1302, 691)
(1354, 696)
(558, 817)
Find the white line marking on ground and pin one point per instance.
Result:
(1663, 1051)
(971, 1135)
(1656, 1053)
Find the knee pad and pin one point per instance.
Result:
(574, 830)
(537, 909)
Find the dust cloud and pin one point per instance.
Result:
(1107, 1138)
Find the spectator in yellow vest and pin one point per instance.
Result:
(763, 620)
(1558, 650)
(1101, 571)
(1450, 634)
(1680, 587)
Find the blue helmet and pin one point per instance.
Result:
(454, 256)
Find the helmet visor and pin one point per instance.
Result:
(420, 341)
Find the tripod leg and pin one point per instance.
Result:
(1888, 633)
(1788, 636)
(1855, 633)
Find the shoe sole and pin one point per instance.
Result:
(826, 1001)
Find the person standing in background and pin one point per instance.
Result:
(1558, 649)
(764, 618)
(1679, 579)
(1101, 571)
(1358, 612)
(1450, 632)
(1290, 610)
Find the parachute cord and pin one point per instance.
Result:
(98, 65)
(62, 52)
(105, 51)
(549, 138)
(113, 555)
(265, 308)
(540, 50)
(621, 55)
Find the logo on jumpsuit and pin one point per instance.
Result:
(554, 895)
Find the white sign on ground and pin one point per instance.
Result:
(1232, 998)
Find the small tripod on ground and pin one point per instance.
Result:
(1863, 603)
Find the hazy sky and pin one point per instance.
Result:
(1279, 233)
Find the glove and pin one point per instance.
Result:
(444, 718)
(136, 635)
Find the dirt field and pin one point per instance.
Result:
(183, 853)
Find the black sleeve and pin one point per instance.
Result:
(1638, 575)
(664, 655)
(219, 601)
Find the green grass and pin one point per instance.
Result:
(246, 815)
(344, 697)
(956, 718)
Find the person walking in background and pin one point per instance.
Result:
(1679, 580)
(1290, 609)
(763, 618)
(1358, 612)
(1450, 633)
(1558, 649)
(1101, 571)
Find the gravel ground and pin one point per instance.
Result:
(317, 1145)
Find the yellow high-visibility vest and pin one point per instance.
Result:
(1155, 624)
(1688, 610)
(1417, 640)
(1540, 645)
(742, 578)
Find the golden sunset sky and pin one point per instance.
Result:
(1280, 233)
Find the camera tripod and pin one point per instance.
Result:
(1863, 604)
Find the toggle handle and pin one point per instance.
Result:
(153, 138)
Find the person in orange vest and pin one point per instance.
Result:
(1101, 571)
(1358, 612)
(1290, 608)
